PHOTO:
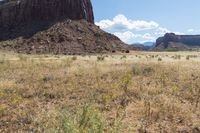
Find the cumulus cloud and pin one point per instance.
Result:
(191, 30)
(129, 37)
(125, 36)
(148, 37)
(161, 31)
(130, 31)
(120, 22)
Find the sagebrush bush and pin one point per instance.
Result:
(100, 58)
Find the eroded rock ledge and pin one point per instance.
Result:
(14, 12)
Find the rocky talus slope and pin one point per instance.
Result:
(66, 37)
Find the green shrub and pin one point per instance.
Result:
(22, 57)
(100, 58)
(159, 59)
(123, 57)
(187, 57)
(74, 58)
(87, 120)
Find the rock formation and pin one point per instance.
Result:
(53, 26)
(171, 41)
(66, 37)
(16, 12)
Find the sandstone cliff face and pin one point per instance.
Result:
(16, 12)
(177, 42)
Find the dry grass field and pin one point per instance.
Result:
(140, 92)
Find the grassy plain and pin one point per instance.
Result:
(144, 92)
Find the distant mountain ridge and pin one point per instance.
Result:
(171, 41)
(144, 46)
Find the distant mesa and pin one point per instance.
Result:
(171, 41)
(53, 26)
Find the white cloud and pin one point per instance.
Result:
(179, 33)
(191, 30)
(161, 31)
(130, 31)
(148, 37)
(125, 36)
(130, 37)
(120, 22)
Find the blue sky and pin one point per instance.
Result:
(145, 20)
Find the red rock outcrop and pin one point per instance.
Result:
(171, 41)
(16, 12)
(53, 27)
(66, 37)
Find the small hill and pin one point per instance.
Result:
(64, 37)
